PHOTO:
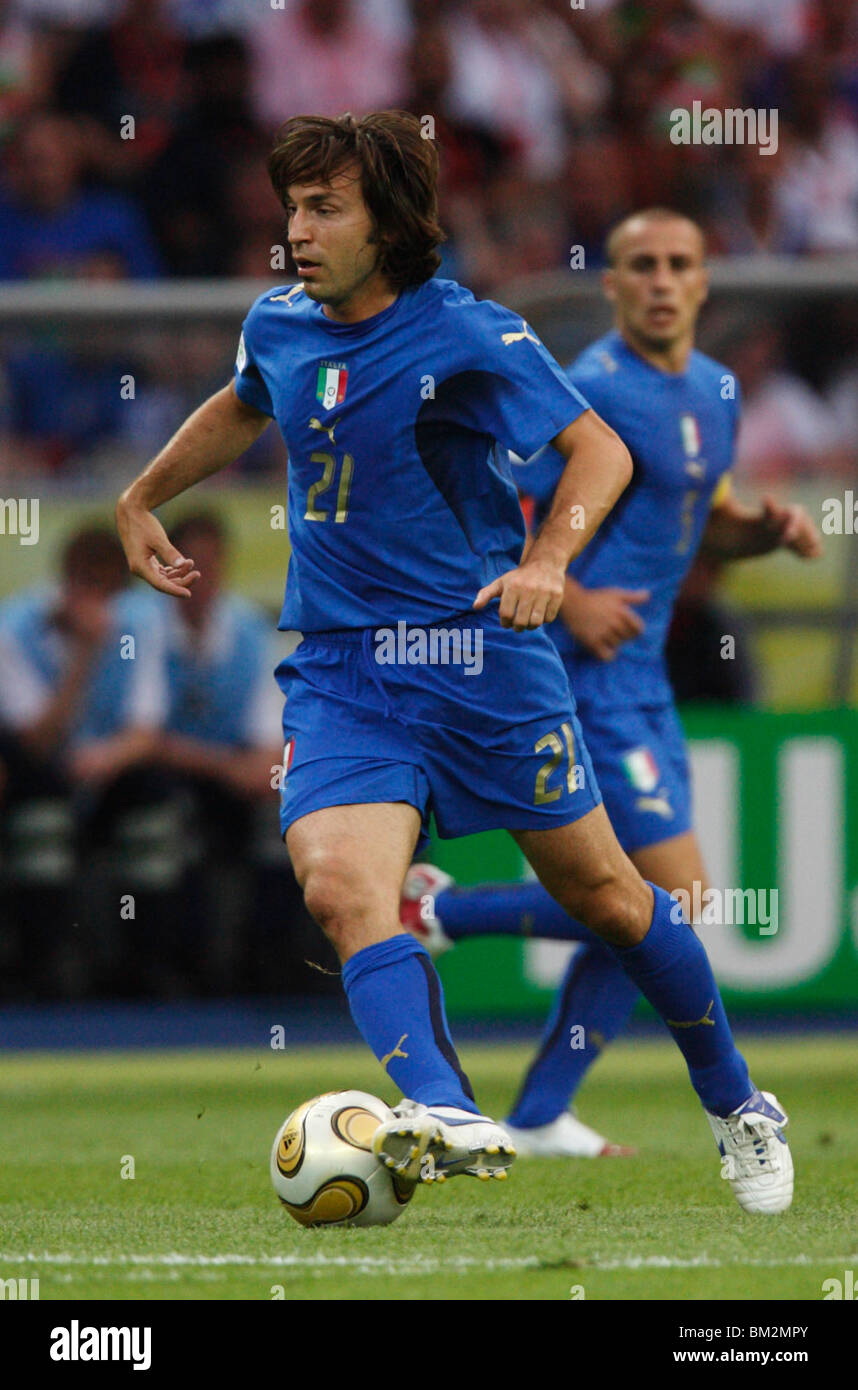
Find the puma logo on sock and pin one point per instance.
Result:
(389, 1056)
(705, 1019)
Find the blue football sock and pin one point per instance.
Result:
(672, 970)
(592, 1006)
(506, 909)
(396, 1001)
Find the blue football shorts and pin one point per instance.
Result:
(641, 764)
(489, 741)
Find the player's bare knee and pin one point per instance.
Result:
(328, 899)
(619, 912)
(337, 899)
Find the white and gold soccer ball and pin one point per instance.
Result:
(323, 1168)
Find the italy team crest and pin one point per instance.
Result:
(331, 384)
(641, 769)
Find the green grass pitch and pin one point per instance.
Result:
(199, 1219)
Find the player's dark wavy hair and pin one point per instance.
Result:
(399, 181)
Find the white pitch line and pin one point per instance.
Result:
(633, 1262)
(383, 1264)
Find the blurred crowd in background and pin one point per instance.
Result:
(552, 120)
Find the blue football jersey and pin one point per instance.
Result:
(402, 503)
(680, 429)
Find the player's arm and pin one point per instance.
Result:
(601, 619)
(736, 532)
(210, 439)
(598, 468)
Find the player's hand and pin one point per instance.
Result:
(603, 619)
(529, 595)
(791, 528)
(151, 554)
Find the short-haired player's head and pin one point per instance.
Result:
(656, 278)
(361, 197)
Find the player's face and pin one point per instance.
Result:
(331, 237)
(658, 282)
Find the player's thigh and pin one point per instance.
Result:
(673, 864)
(353, 859)
(583, 867)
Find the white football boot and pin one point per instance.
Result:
(422, 885)
(755, 1156)
(431, 1144)
(565, 1137)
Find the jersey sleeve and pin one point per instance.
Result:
(538, 477)
(249, 385)
(522, 397)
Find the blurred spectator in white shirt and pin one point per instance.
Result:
(201, 18)
(783, 25)
(816, 191)
(323, 57)
(787, 429)
(520, 72)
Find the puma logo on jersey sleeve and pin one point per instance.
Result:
(508, 338)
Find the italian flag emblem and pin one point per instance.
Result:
(331, 384)
(641, 769)
(288, 755)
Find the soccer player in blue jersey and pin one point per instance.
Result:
(422, 682)
(677, 411)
